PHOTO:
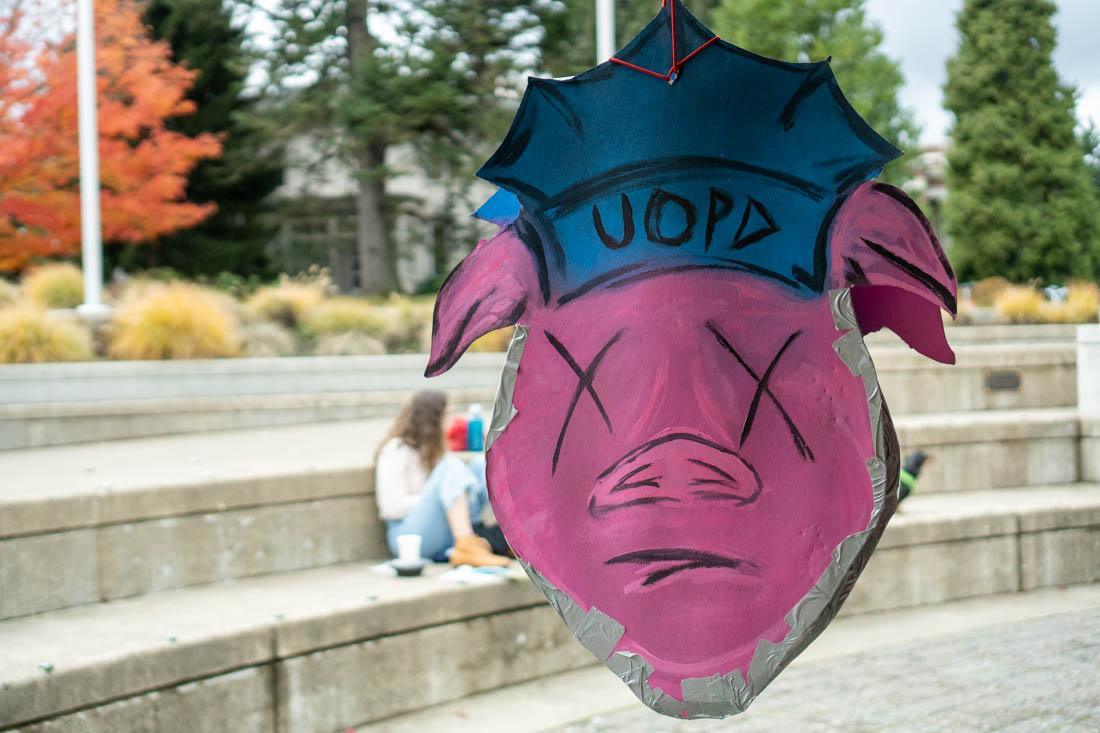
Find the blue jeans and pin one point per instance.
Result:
(450, 481)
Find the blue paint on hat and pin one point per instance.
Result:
(502, 208)
(739, 164)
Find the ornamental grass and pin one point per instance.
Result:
(289, 301)
(1020, 304)
(344, 315)
(493, 341)
(1082, 305)
(56, 285)
(9, 293)
(174, 320)
(28, 334)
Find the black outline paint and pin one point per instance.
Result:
(716, 194)
(628, 224)
(654, 209)
(688, 560)
(584, 382)
(903, 198)
(800, 443)
(915, 272)
(772, 228)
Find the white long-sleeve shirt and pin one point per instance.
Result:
(398, 480)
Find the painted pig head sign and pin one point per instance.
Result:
(690, 454)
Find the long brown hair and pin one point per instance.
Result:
(420, 425)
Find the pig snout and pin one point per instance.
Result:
(675, 471)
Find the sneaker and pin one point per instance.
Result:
(475, 551)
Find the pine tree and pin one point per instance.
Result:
(569, 29)
(439, 86)
(1021, 203)
(812, 30)
(203, 38)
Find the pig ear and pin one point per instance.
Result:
(488, 290)
(882, 246)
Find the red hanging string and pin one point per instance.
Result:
(674, 70)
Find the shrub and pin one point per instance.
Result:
(265, 338)
(9, 293)
(1020, 304)
(344, 315)
(984, 292)
(286, 303)
(57, 285)
(28, 334)
(348, 344)
(173, 321)
(1082, 304)
(493, 341)
(408, 323)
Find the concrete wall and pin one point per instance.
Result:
(43, 425)
(86, 382)
(1088, 389)
(62, 404)
(1007, 376)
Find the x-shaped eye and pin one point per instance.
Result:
(584, 383)
(762, 389)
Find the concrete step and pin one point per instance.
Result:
(963, 335)
(592, 693)
(98, 522)
(34, 425)
(993, 449)
(1090, 449)
(307, 651)
(328, 648)
(62, 404)
(1006, 376)
(942, 547)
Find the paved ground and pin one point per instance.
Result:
(1017, 663)
(1030, 676)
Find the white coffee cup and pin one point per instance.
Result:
(408, 548)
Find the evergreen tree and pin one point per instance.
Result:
(203, 38)
(1021, 203)
(1090, 142)
(812, 30)
(442, 85)
(569, 29)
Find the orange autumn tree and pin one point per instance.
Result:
(143, 165)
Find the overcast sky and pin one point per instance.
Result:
(921, 35)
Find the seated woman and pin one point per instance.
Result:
(423, 490)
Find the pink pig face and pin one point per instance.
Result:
(687, 474)
(697, 485)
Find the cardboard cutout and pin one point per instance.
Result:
(689, 453)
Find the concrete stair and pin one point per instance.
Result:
(98, 522)
(985, 377)
(306, 651)
(24, 426)
(590, 699)
(322, 649)
(63, 404)
(225, 581)
(994, 449)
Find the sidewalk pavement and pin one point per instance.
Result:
(1013, 663)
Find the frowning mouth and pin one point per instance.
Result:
(662, 563)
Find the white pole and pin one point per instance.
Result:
(91, 245)
(605, 30)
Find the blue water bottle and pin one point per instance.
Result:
(475, 429)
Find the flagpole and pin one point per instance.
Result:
(91, 243)
(605, 30)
